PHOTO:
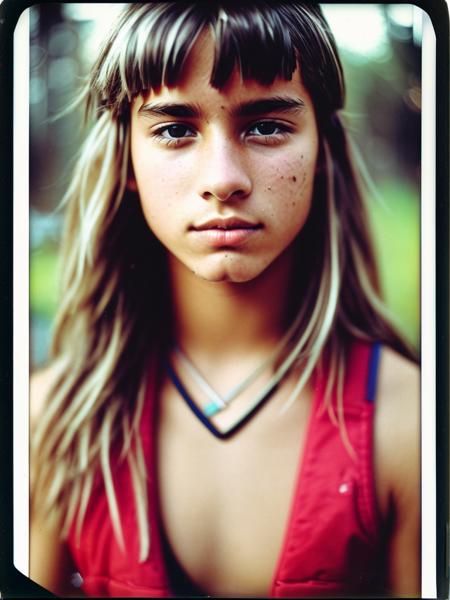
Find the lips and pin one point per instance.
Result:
(225, 232)
(227, 224)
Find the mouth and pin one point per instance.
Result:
(225, 232)
(228, 224)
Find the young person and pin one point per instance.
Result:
(229, 411)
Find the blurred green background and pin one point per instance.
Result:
(380, 46)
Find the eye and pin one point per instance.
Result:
(176, 131)
(267, 128)
(173, 135)
(268, 133)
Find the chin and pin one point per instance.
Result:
(231, 272)
(225, 278)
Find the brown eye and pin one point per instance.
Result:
(176, 131)
(265, 128)
(269, 133)
(268, 129)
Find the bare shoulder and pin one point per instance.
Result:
(397, 421)
(397, 469)
(41, 383)
(398, 400)
(50, 562)
(398, 374)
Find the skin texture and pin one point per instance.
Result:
(225, 505)
(222, 165)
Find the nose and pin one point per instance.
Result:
(225, 174)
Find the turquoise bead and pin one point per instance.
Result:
(211, 409)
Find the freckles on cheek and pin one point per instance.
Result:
(303, 177)
(297, 177)
(296, 188)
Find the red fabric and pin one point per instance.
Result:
(332, 545)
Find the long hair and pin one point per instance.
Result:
(114, 317)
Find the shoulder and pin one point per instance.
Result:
(397, 430)
(41, 382)
(398, 398)
(398, 375)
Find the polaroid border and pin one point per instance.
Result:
(12, 582)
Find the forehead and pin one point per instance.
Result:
(194, 82)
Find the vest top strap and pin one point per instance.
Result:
(334, 535)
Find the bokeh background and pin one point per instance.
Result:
(380, 47)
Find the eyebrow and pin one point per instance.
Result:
(244, 109)
(170, 109)
(268, 105)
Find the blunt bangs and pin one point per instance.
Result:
(263, 40)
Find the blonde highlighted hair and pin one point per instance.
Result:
(113, 318)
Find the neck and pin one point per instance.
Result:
(230, 318)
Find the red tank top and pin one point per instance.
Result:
(333, 544)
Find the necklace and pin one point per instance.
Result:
(217, 403)
(244, 418)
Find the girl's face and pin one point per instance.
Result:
(225, 177)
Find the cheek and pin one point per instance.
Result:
(159, 184)
(292, 185)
